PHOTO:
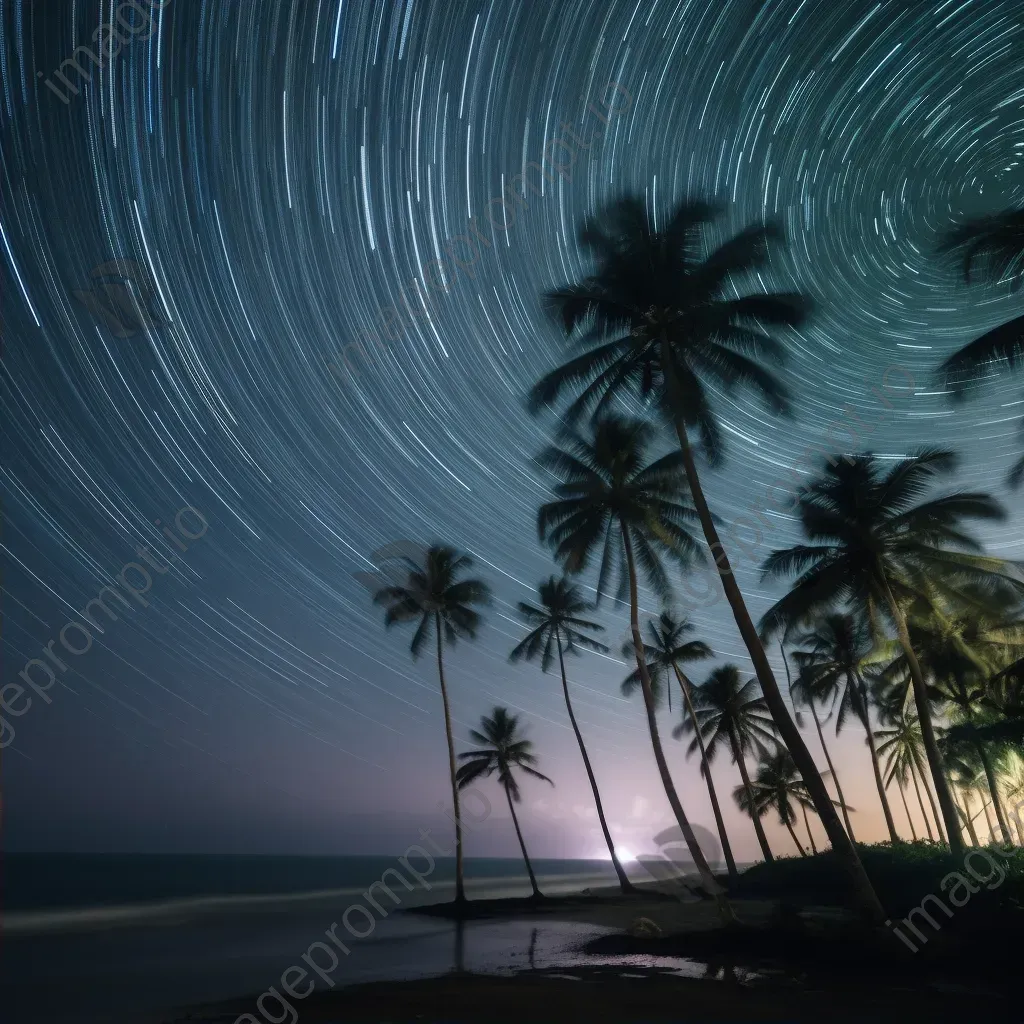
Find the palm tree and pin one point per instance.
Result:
(901, 745)
(876, 548)
(666, 650)
(997, 241)
(809, 689)
(559, 629)
(630, 514)
(831, 667)
(776, 786)
(437, 594)
(502, 749)
(655, 323)
(730, 710)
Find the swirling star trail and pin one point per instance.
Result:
(283, 173)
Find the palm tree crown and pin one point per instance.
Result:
(666, 649)
(558, 619)
(502, 749)
(653, 294)
(435, 593)
(609, 489)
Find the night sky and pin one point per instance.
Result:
(284, 173)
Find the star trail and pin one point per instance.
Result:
(322, 231)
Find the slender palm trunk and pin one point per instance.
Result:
(699, 860)
(863, 892)
(832, 771)
(803, 852)
(965, 814)
(737, 755)
(931, 797)
(624, 882)
(522, 845)
(993, 788)
(684, 685)
(906, 808)
(924, 715)
(460, 884)
(920, 802)
(810, 834)
(989, 823)
(860, 706)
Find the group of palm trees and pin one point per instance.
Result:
(893, 609)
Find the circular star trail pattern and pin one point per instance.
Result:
(283, 171)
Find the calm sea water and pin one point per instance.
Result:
(112, 939)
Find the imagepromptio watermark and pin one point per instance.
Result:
(39, 675)
(140, 24)
(321, 958)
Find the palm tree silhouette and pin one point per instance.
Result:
(877, 547)
(437, 595)
(503, 748)
(831, 666)
(729, 710)
(559, 629)
(997, 242)
(776, 786)
(901, 745)
(666, 649)
(656, 323)
(629, 513)
(807, 690)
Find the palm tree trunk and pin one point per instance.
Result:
(920, 802)
(965, 814)
(832, 771)
(719, 821)
(737, 755)
(810, 834)
(993, 788)
(862, 890)
(924, 715)
(460, 884)
(522, 845)
(931, 798)
(803, 852)
(860, 707)
(624, 882)
(707, 878)
(906, 808)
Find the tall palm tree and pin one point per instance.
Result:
(630, 514)
(876, 547)
(730, 710)
(667, 648)
(503, 748)
(998, 243)
(776, 786)
(810, 689)
(558, 629)
(657, 323)
(441, 599)
(901, 745)
(831, 665)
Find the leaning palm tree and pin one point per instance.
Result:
(559, 629)
(730, 710)
(875, 546)
(667, 648)
(655, 323)
(630, 514)
(438, 595)
(901, 745)
(831, 664)
(503, 748)
(776, 786)
(998, 243)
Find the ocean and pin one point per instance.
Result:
(123, 939)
